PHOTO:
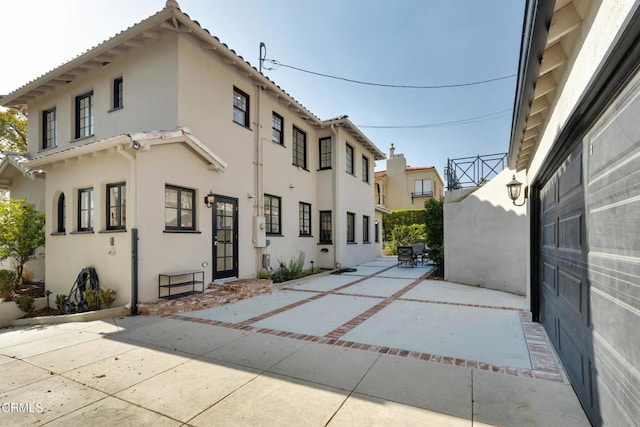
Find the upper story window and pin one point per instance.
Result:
(299, 148)
(49, 129)
(117, 93)
(85, 209)
(179, 208)
(365, 169)
(84, 115)
(325, 227)
(305, 219)
(422, 187)
(325, 153)
(276, 125)
(272, 211)
(349, 160)
(116, 206)
(351, 227)
(240, 107)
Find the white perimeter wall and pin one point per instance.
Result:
(486, 237)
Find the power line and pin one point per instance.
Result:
(278, 64)
(469, 120)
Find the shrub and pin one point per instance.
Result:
(290, 271)
(401, 217)
(7, 284)
(107, 297)
(25, 303)
(405, 235)
(264, 274)
(59, 300)
(91, 296)
(435, 231)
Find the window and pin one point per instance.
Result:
(365, 229)
(117, 93)
(377, 231)
(61, 216)
(84, 115)
(240, 107)
(351, 227)
(272, 214)
(276, 125)
(179, 208)
(116, 206)
(305, 219)
(325, 227)
(49, 129)
(325, 153)
(349, 159)
(85, 209)
(423, 188)
(299, 148)
(365, 169)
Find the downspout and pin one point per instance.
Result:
(334, 216)
(258, 183)
(133, 214)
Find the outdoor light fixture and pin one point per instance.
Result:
(513, 188)
(209, 199)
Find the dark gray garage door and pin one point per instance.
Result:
(589, 262)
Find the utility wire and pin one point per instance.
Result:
(476, 119)
(278, 64)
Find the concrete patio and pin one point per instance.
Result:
(379, 346)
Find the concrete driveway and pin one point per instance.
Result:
(379, 346)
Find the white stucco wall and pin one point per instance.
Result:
(486, 237)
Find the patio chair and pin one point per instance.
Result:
(420, 251)
(405, 256)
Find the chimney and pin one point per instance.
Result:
(392, 150)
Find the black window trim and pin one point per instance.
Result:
(366, 232)
(122, 189)
(304, 148)
(269, 224)
(352, 162)
(247, 119)
(351, 232)
(179, 228)
(321, 216)
(79, 98)
(61, 205)
(281, 130)
(45, 129)
(301, 219)
(320, 141)
(365, 171)
(117, 93)
(90, 209)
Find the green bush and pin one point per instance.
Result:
(290, 271)
(107, 296)
(264, 274)
(401, 217)
(403, 235)
(59, 300)
(92, 299)
(25, 303)
(435, 231)
(7, 284)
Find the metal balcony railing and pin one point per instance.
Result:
(468, 172)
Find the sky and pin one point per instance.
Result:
(400, 42)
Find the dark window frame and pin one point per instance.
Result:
(277, 119)
(237, 107)
(349, 160)
(82, 112)
(61, 213)
(376, 229)
(324, 158)
(118, 93)
(273, 228)
(326, 227)
(299, 145)
(351, 227)
(366, 224)
(304, 219)
(89, 209)
(120, 207)
(365, 169)
(179, 208)
(49, 129)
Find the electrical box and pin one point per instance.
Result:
(266, 260)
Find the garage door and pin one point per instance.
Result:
(589, 261)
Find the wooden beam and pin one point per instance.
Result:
(552, 58)
(564, 21)
(544, 85)
(155, 35)
(539, 105)
(534, 120)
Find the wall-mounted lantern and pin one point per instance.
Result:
(209, 199)
(513, 188)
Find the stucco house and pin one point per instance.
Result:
(575, 146)
(163, 136)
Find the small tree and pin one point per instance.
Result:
(21, 232)
(435, 231)
(13, 131)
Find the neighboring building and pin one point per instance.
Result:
(575, 142)
(134, 134)
(406, 187)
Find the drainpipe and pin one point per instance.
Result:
(258, 197)
(133, 216)
(334, 215)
